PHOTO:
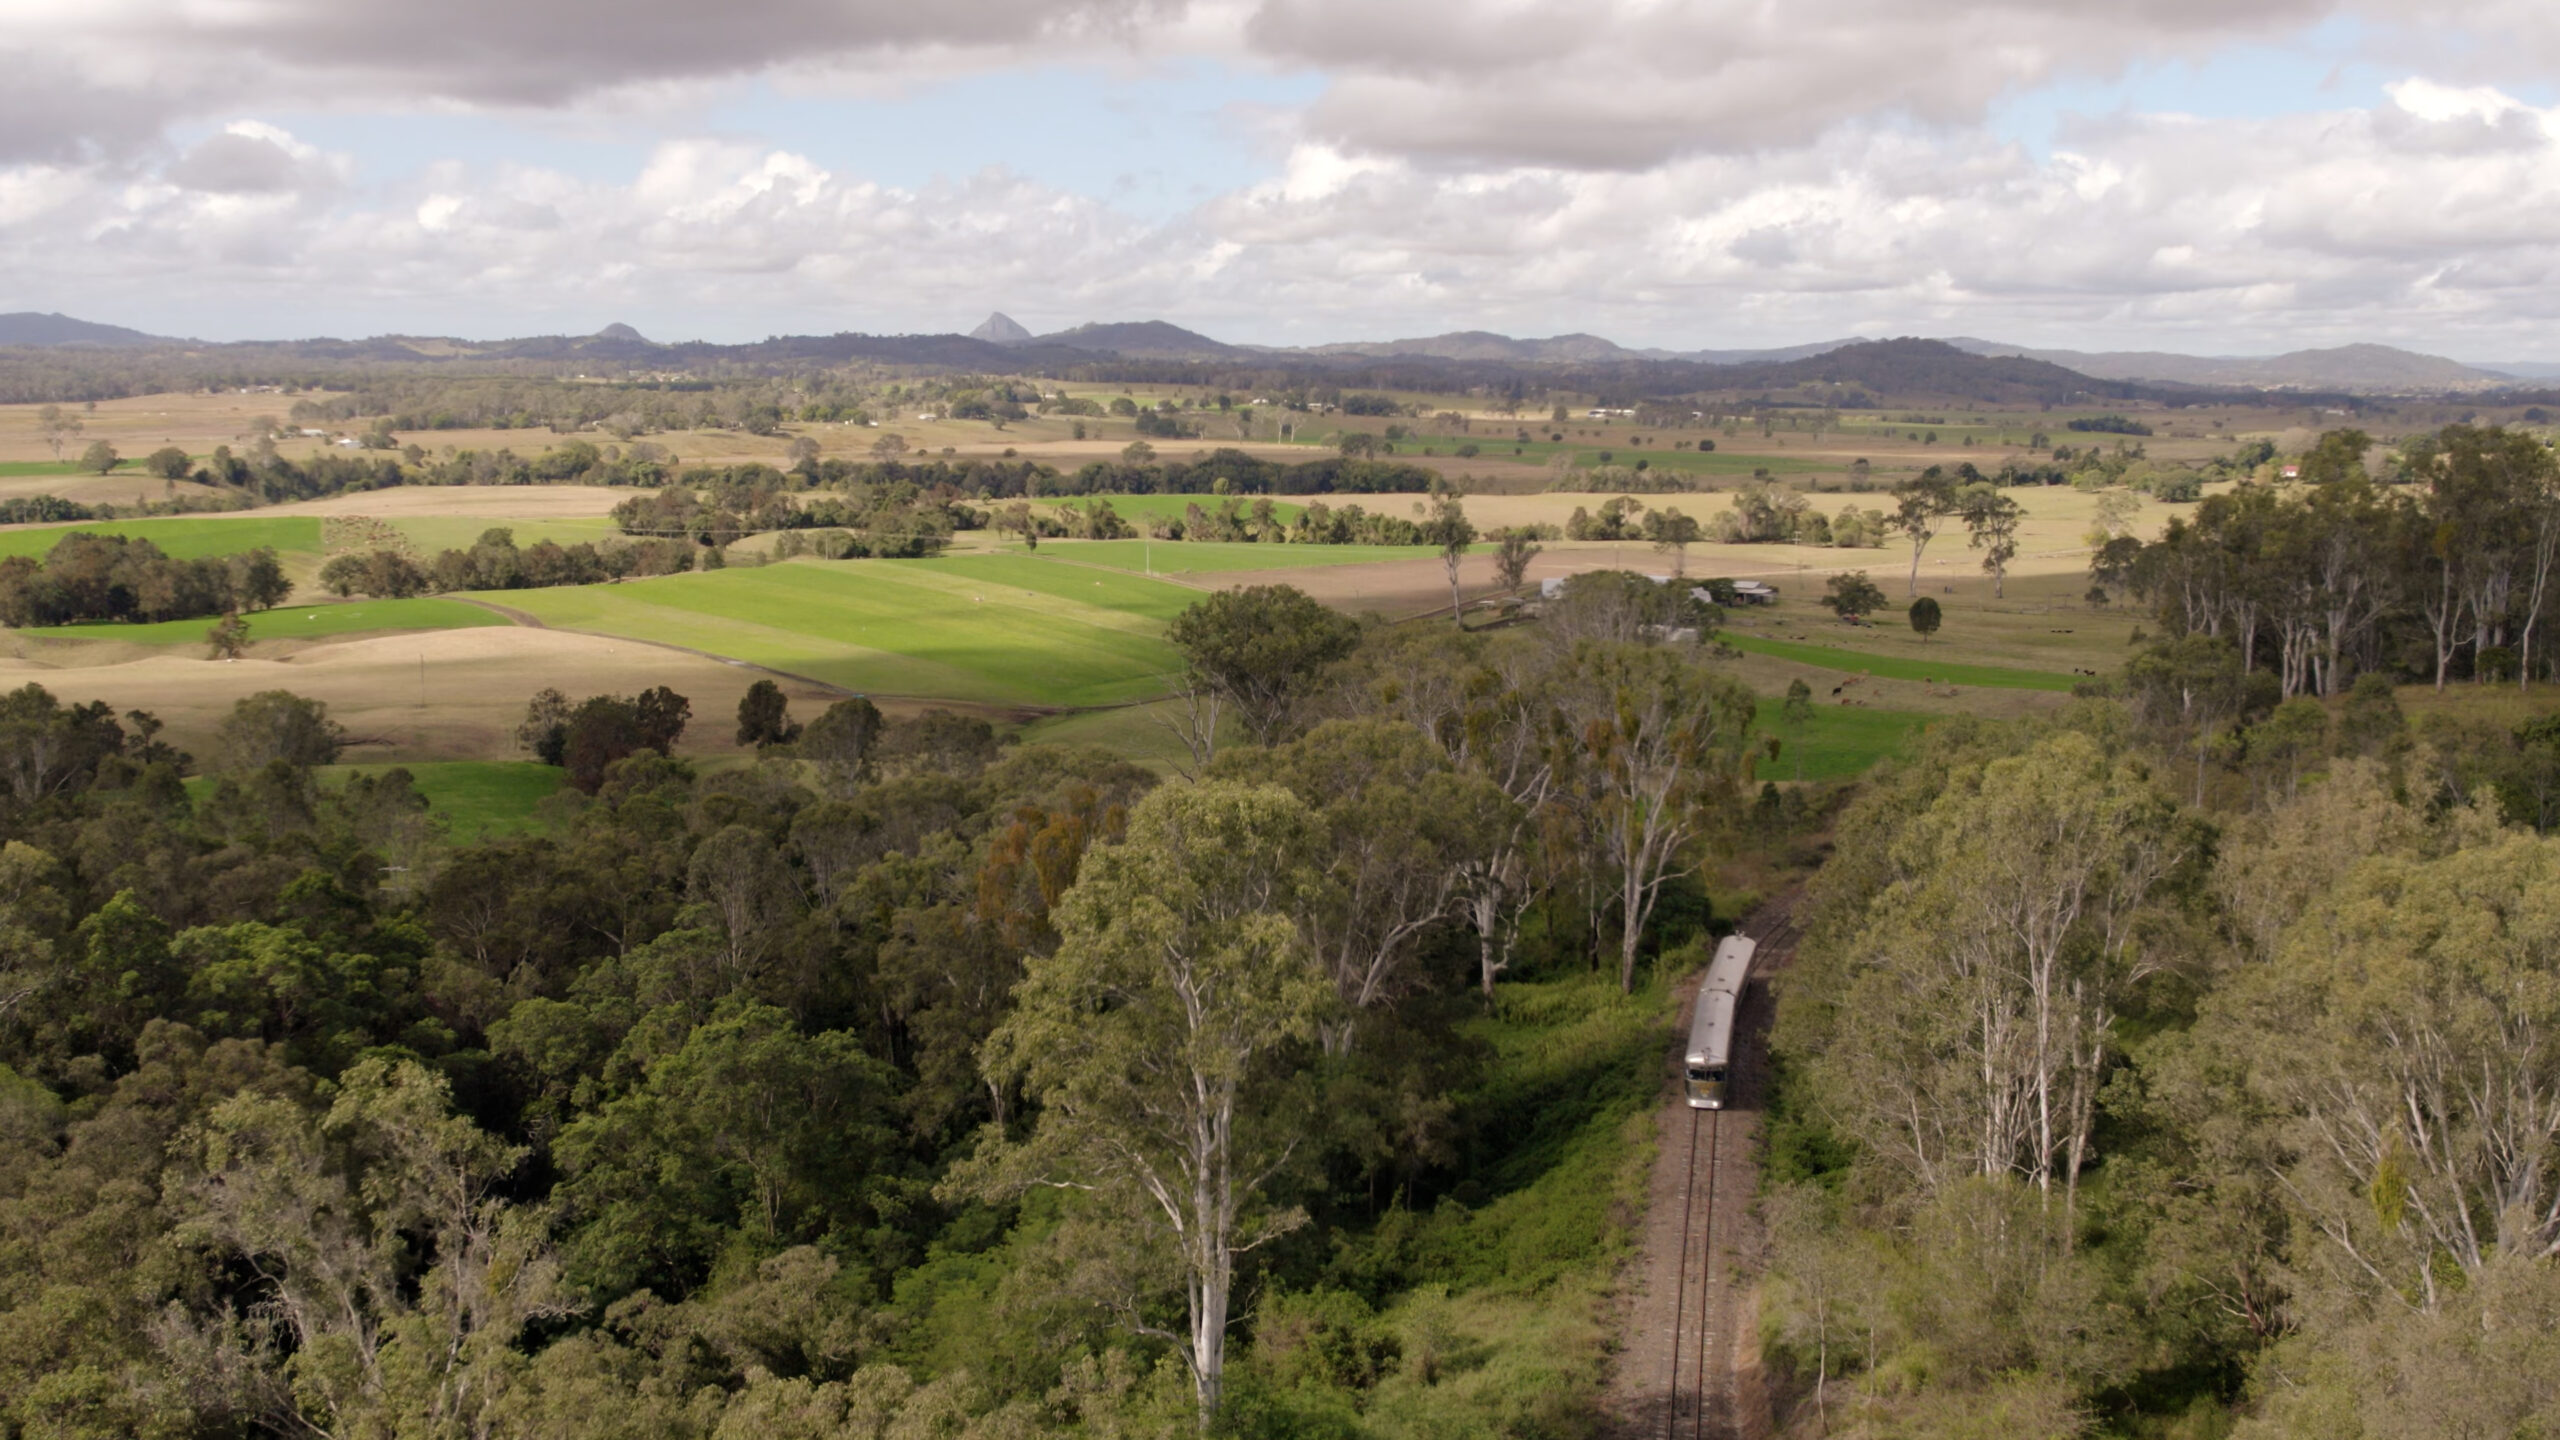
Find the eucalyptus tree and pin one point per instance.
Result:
(1161, 1043)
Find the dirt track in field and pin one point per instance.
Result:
(1688, 1363)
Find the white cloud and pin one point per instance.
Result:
(2422, 220)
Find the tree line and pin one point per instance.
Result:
(92, 577)
(2443, 570)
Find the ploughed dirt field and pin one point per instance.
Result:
(1687, 1363)
(426, 695)
(495, 502)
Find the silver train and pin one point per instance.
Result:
(1710, 1056)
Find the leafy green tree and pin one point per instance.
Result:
(1672, 533)
(1919, 503)
(1991, 526)
(1852, 596)
(228, 639)
(841, 742)
(1261, 650)
(99, 458)
(1158, 1042)
(1450, 531)
(764, 716)
(1926, 617)
(748, 1123)
(258, 580)
(2386, 1038)
(376, 1240)
(1975, 1031)
(275, 725)
(1511, 557)
(1796, 714)
(169, 462)
(1661, 741)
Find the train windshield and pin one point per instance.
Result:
(1700, 1072)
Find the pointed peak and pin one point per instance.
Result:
(1001, 329)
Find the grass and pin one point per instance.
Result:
(994, 629)
(1895, 667)
(1136, 733)
(1839, 741)
(300, 622)
(1173, 507)
(1209, 557)
(478, 799)
(184, 537)
(433, 534)
(14, 469)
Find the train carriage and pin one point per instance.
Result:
(1706, 1069)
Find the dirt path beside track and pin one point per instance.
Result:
(1687, 1366)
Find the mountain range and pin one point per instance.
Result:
(1002, 342)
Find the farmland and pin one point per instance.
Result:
(295, 622)
(188, 537)
(992, 629)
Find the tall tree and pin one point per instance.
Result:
(1449, 530)
(1991, 526)
(1157, 1043)
(1260, 651)
(1660, 740)
(1919, 503)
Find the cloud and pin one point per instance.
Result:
(2432, 218)
(1586, 84)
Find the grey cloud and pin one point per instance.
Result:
(238, 165)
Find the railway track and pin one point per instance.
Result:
(1698, 1398)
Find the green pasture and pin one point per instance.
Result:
(1206, 557)
(1137, 733)
(1896, 667)
(1836, 742)
(1006, 629)
(295, 622)
(1173, 507)
(183, 537)
(17, 469)
(478, 799)
(434, 534)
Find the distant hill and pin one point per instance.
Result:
(1576, 349)
(1485, 345)
(619, 331)
(2345, 367)
(28, 327)
(1001, 329)
(1146, 340)
(1912, 368)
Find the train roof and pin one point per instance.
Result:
(1711, 1028)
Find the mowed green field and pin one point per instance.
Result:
(433, 534)
(477, 799)
(994, 629)
(184, 537)
(17, 469)
(304, 622)
(1173, 507)
(1895, 667)
(1209, 557)
(1836, 741)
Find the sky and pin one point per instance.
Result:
(2207, 176)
